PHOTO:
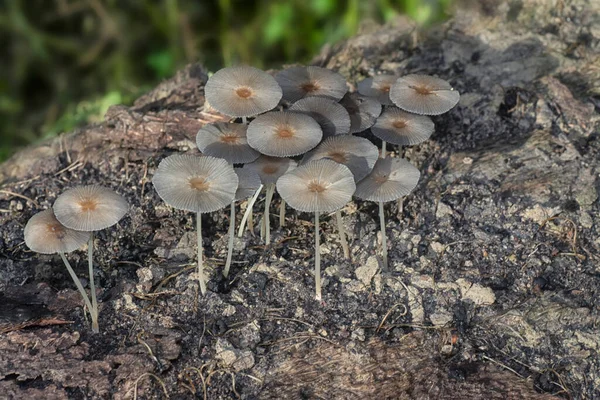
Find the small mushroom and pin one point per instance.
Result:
(363, 111)
(320, 186)
(283, 133)
(333, 117)
(378, 87)
(90, 208)
(390, 179)
(198, 184)
(226, 141)
(300, 82)
(423, 94)
(46, 235)
(242, 91)
(402, 128)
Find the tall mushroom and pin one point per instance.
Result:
(90, 208)
(319, 186)
(198, 184)
(423, 94)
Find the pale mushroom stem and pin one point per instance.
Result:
(401, 199)
(94, 309)
(342, 232)
(86, 300)
(230, 244)
(249, 210)
(251, 222)
(200, 252)
(383, 237)
(266, 219)
(245, 120)
(282, 214)
(383, 146)
(317, 259)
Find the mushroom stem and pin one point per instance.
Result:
(200, 253)
(249, 210)
(383, 145)
(86, 300)
(251, 222)
(230, 244)
(400, 207)
(317, 259)
(245, 120)
(342, 232)
(383, 237)
(94, 309)
(282, 214)
(267, 223)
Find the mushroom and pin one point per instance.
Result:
(90, 208)
(283, 133)
(423, 94)
(300, 82)
(363, 111)
(390, 179)
(269, 169)
(242, 91)
(402, 128)
(320, 186)
(198, 184)
(333, 118)
(378, 87)
(248, 183)
(45, 234)
(226, 141)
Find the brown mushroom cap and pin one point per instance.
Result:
(424, 94)
(378, 87)
(199, 184)
(44, 234)
(226, 141)
(356, 153)
(363, 111)
(390, 179)
(271, 168)
(249, 182)
(283, 133)
(333, 117)
(402, 128)
(89, 208)
(317, 186)
(242, 91)
(300, 82)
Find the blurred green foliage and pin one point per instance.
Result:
(64, 62)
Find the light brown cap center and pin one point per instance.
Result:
(399, 124)
(199, 183)
(385, 88)
(316, 187)
(381, 179)
(230, 139)
(285, 132)
(244, 92)
(56, 230)
(88, 205)
(422, 89)
(269, 169)
(310, 87)
(338, 157)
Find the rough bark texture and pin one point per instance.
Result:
(494, 286)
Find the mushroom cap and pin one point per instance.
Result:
(363, 111)
(226, 141)
(249, 182)
(284, 133)
(356, 153)
(44, 234)
(300, 82)
(242, 91)
(333, 117)
(378, 87)
(89, 208)
(424, 94)
(269, 169)
(400, 127)
(390, 179)
(199, 184)
(317, 186)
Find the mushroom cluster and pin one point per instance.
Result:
(292, 133)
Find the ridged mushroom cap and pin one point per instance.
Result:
(199, 184)
(317, 186)
(45, 234)
(402, 128)
(390, 179)
(356, 153)
(248, 183)
(378, 87)
(300, 82)
(271, 168)
(242, 91)
(283, 133)
(363, 111)
(89, 208)
(226, 141)
(424, 94)
(333, 117)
